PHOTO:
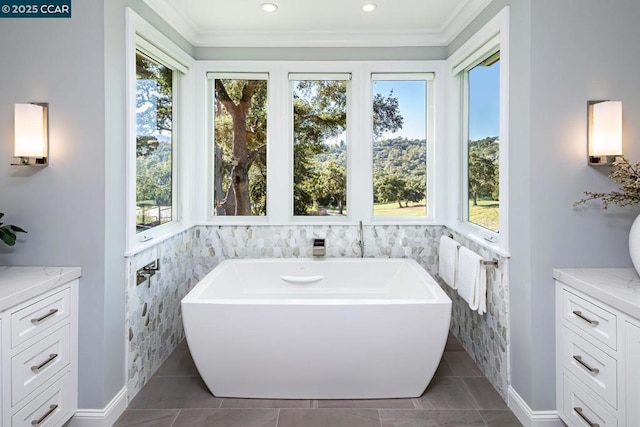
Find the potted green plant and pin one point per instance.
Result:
(8, 232)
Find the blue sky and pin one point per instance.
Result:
(411, 101)
(484, 103)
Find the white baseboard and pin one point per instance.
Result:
(529, 417)
(101, 417)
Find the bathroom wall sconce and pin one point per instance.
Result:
(31, 126)
(605, 132)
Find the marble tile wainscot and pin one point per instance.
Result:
(485, 337)
(154, 319)
(213, 245)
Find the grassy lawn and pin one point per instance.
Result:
(392, 209)
(485, 214)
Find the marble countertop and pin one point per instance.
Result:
(617, 287)
(18, 284)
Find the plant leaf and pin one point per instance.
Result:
(7, 237)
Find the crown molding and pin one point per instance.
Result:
(318, 39)
(176, 18)
(461, 18)
(453, 26)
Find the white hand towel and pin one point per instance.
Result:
(472, 279)
(448, 261)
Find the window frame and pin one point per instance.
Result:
(280, 137)
(430, 137)
(493, 37)
(320, 76)
(143, 37)
(211, 77)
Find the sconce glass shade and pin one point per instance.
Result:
(605, 132)
(31, 133)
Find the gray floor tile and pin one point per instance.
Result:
(484, 394)
(147, 418)
(453, 344)
(178, 364)
(265, 403)
(500, 419)
(329, 417)
(446, 393)
(227, 418)
(444, 370)
(430, 418)
(368, 403)
(174, 393)
(462, 364)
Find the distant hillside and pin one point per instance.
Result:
(400, 156)
(487, 148)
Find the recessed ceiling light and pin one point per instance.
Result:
(369, 7)
(269, 7)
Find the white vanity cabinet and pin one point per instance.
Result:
(38, 345)
(632, 387)
(598, 347)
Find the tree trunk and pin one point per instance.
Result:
(217, 180)
(240, 170)
(475, 198)
(399, 203)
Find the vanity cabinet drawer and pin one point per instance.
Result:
(42, 314)
(589, 318)
(50, 408)
(581, 409)
(34, 366)
(596, 369)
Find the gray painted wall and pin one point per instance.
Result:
(61, 61)
(580, 50)
(562, 54)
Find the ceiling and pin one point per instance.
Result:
(318, 23)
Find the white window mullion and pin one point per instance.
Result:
(279, 152)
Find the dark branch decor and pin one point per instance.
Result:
(628, 176)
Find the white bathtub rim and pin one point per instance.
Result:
(195, 295)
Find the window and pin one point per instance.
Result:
(480, 81)
(482, 143)
(239, 144)
(156, 71)
(307, 132)
(155, 87)
(400, 105)
(319, 144)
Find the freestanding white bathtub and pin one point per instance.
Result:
(317, 328)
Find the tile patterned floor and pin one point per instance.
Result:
(458, 396)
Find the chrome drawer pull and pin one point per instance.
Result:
(584, 417)
(45, 317)
(39, 421)
(45, 363)
(586, 319)
(585, 366)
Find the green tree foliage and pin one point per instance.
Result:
(404, 159)
(483, 169)
(390, 188)
(330, 187)
(154, 116)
